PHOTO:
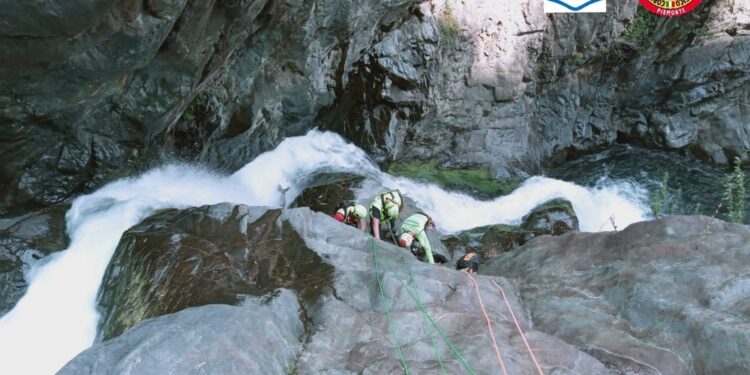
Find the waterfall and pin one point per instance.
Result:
(57, 317)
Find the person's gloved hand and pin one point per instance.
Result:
(439, 258)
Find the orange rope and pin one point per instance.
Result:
(518, 326)
(489, 325)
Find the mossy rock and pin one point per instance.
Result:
(478, 181)
(554, 217)
(487, 241)
(220, 254)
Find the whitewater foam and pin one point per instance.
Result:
(599, 208)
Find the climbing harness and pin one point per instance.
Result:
(518, 327)
(489, 325)
(387, 311)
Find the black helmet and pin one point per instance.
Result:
(470, 261)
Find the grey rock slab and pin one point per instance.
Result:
(257, 337)
(663, 296)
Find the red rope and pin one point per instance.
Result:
(489, 325)
(518, 326)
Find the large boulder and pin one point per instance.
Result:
(325, 194)
(487, 241)
(214, 254)
(354, 324)
(663, 297)
(554, 218)
(260, 336)
(551, 218)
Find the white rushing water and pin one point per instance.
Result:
(57, 317)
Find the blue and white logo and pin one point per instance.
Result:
(575, 6)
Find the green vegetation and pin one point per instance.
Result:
(477, 181)
(663, 201)
(555, 204)
(201, 103)
(132, 296)
(641, 29)
(448, 26)
(634, 37)
(578, 58)
(702, 32)
(734, 193)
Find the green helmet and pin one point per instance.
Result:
(359, 211)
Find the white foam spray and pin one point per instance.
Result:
(57, 318)
(609, 205)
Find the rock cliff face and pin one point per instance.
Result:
(342, 328)
(86, 86)
(509, 88)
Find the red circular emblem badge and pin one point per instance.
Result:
(670, 8)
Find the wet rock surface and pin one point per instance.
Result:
(217, 254)
(346, 329)
(330, 191)
(24, 241)
(469, 84)
(554, 217)
(665, 296)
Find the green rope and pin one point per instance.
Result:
(440, 331)
(424, 321)
(387, 311)
(456, 352)
(427, 326)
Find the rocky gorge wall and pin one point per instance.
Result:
(509, 87)
(94, 89)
